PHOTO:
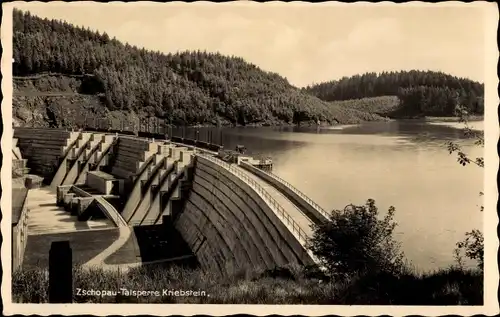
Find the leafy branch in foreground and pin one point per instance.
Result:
(473, 244)
(462, 157)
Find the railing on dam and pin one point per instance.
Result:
(293, 189)
(153, 127)
(301, 235)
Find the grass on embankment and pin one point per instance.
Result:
(445, 287)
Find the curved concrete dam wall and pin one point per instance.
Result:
(229, 226)
(225, 221)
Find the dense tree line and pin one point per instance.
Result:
(186, 88)
(437, 101)
(420, 92)
(200, 87)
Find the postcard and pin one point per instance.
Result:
(262, 158)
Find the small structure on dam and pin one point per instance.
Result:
(238, 156)
(123, 200)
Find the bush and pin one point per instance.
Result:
(356, 242)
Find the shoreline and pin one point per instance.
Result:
(429, 119)
(471, 118)
(452, 119)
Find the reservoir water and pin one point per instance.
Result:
(404, 164)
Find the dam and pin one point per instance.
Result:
(125, 200)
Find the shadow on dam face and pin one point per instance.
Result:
(163, 243)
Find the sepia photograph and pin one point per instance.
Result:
(285, 154)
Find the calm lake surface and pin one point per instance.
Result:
(400, 163)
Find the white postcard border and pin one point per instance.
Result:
(491, 279)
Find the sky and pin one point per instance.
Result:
(303, 42)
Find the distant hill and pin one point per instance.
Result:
(64, 73)
(420, 92)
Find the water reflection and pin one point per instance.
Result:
(271, 137)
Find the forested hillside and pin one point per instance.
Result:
(420, 92)
(185, 88)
